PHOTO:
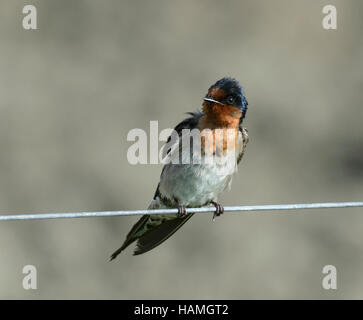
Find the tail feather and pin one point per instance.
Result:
(132, 235)
(152, 230)
(159, 234)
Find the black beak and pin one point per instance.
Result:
(212, 100)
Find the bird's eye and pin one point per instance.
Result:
(230, 100)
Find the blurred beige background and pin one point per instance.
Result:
(71, 90)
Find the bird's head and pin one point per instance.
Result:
(226, 96)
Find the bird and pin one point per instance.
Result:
(187, 183)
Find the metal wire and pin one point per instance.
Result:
(37, 216)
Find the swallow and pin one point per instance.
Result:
(186, 183)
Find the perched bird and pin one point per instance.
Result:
(189, 183)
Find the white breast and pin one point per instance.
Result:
(199, 181)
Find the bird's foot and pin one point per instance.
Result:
(219, 209)
(181, 211)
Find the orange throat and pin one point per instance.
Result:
(219, 116)
(215, 118)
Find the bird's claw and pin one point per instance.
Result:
(219, 210)
(181, 211)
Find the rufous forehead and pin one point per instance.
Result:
(217, 93)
